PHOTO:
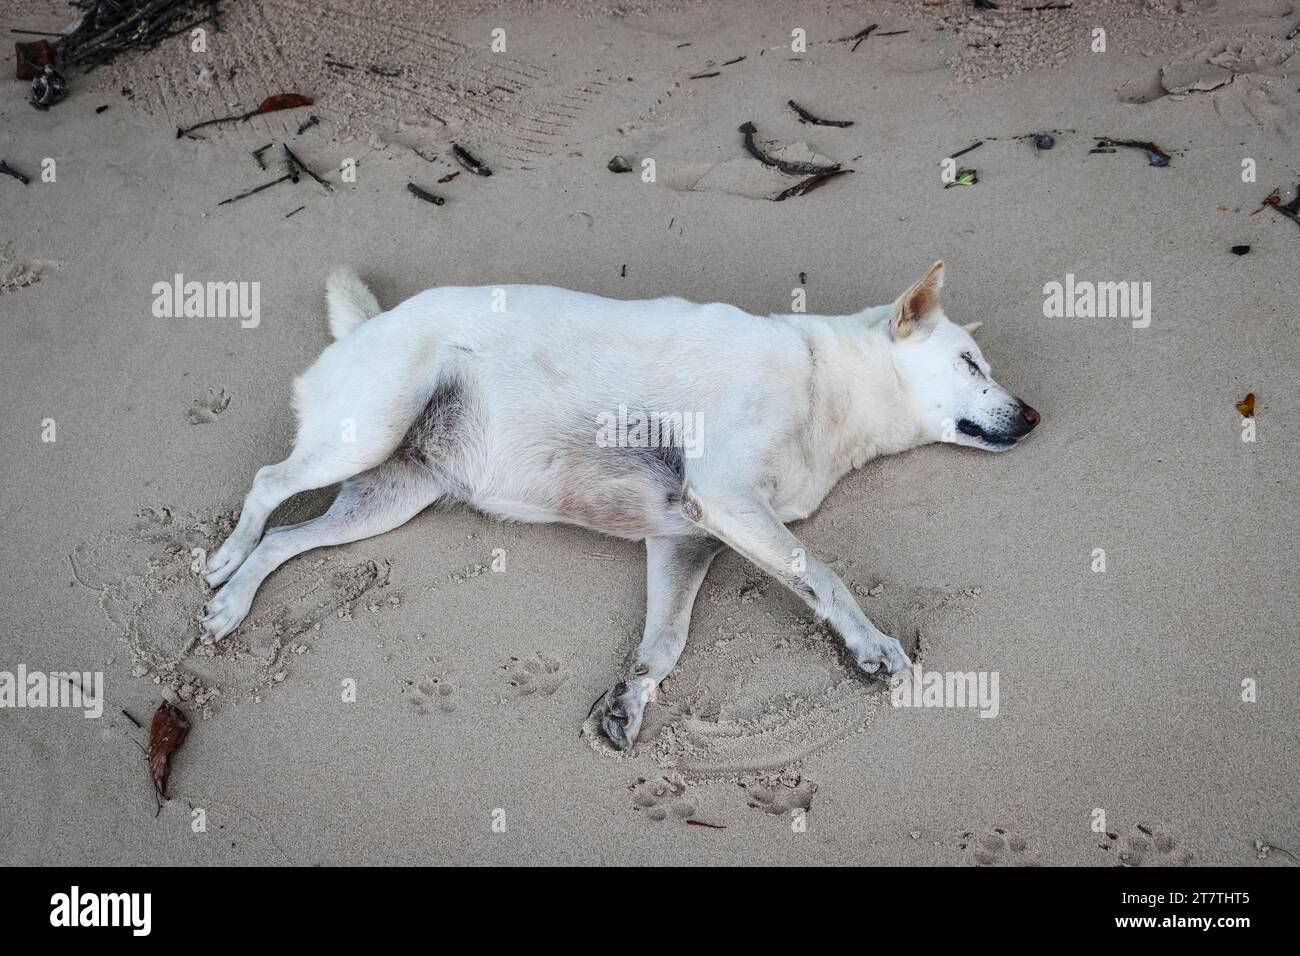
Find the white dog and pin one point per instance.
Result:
(506, 399)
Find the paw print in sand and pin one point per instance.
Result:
(1146, 845)
(535, 674)
(996, 846)
(205, 410)
(658, 798)
(434, 691)
(779, 793)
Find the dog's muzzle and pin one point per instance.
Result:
(1016, 426)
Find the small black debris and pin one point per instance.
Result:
(1155, 155)
(619, 164)
(470, 161)
(1044, 141)
(252, 192)
(1240, 250)
(427, 196)
(48, 88)
(7, 170)
(1293, 207)
(859, 37)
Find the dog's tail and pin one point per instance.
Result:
(349, 301)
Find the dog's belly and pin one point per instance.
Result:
(536, 468)
(625, 492)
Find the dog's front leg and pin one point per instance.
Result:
(675, 569)
(750, 527)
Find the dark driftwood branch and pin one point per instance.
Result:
(470, 161)
(112, 27)
(859, 37)
(238, 118)
(7, 170)
(251, 192)
(295, 161)
(1155, 155)
(806, 117)
(808, 185)
(424, 194)
(794, 169)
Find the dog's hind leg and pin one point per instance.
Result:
(369, 504)
(344, 428)
(675, 569)
(273, 485)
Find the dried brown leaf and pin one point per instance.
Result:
(166, 733)
(282, 101)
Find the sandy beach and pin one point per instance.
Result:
(421, 697)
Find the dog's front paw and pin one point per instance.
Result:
(224, 562)
(224, 612)
(624, 708)
(882, 651)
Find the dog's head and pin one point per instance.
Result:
(946, 376)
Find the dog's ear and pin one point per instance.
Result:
(917, 309)
(973, 327)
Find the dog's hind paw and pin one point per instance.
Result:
(624, 709)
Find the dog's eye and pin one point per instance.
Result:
(974, 369)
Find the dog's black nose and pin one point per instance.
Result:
(1032, 417)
